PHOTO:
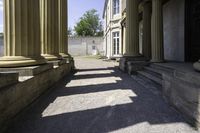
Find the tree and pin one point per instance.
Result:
(89, 24)
(69, 31)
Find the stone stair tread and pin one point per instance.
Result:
(154, 71)
(147, 83)
(161, 68)
(151, 77)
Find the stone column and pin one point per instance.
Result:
(146, 40)
(197, 66)
(63, 25)
(21, 34)
(49, 29)
(132, 28)
(157, 31)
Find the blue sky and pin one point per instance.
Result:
(1, 15)
(76, 9)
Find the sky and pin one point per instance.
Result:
(1, 15)
(76, 8)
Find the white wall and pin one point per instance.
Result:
(81, 46)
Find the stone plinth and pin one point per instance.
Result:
(124, 60)
(134, 66)
(29, 71)
(58, 63)
(8, 78)
(17, 97)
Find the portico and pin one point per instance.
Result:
(35, 52)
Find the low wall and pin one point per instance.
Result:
(82, 46)
(15, 98)
(182, 89)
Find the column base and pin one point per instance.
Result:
(20, 61)
(52, 57)
(123, 63)
(63, 55)
(197, 66)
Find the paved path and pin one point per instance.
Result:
(100, 99)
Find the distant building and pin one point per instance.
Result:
(112, 16)
(82, 46)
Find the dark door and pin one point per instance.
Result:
(192, 30)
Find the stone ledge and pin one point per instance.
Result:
(134, 66)
(58, 63)
(184, 95)
(15, 98)
(8, 78)
(29, 71)
(124, 60)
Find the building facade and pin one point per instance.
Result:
(112, 28)
(161, 43)
(176, 26)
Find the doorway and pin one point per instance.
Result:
(192, 33)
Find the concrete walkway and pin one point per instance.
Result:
(100, 99)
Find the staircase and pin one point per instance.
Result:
(151, 76)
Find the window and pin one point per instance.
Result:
(116, 43)
(93, 47)
(115, 7)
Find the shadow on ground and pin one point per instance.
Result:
(144, 107)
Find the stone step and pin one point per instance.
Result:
(153, 71)
(151, 77)
(161, 68)
(147, 83)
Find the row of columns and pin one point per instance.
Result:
(35, 31)
(152, 30)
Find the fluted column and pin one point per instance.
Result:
(21, 34)
(49, 29)
(146, 40)
(63, 24)
(132, 28)
(197, 66)
(157, 31)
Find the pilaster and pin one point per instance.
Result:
(146, 40)
(157, 32)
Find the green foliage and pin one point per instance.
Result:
(89, 24)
